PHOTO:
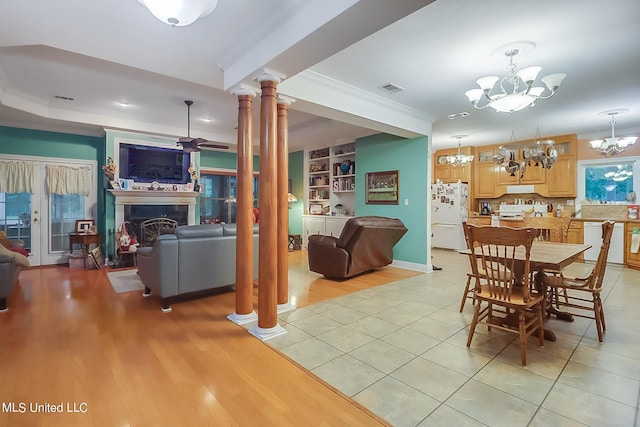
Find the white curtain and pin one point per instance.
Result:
(68, 180)
(17, 177)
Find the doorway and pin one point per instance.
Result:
(41, 220)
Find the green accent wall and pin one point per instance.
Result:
(296, 175)
(39, 143)
(409, 157)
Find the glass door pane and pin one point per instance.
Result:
(64, 211)
(15, 217)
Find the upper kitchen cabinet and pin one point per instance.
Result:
(561, 178)
(447, 173)
(484, 174)
(517, 168)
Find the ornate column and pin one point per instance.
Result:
(268, 326)
(244, 312)
(282, 246)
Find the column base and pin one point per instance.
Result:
(283, 308)
(242, 319)
(264, 334)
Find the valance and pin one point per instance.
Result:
(17, 177)
(68, 180)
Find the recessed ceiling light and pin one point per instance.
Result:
(123, 103)
(207, 120)
(457, 115)
(391, 88)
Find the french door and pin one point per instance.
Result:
(43, 221)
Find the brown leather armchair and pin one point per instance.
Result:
(365, 243)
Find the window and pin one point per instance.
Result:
(15, 216)
(608, 180)
(65, 210)
(218, 199)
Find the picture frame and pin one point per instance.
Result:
(315, 208)
(382, 188)
(96, 257)
(115, 184)
(84, 226)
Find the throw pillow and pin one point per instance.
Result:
(19, 259)
(4, 240)
(19, 250)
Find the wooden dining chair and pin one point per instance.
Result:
(582, 295)
(523, 308)
(476, 273)
(551, 229)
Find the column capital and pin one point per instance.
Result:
(270, 75)
(243, 89)
(285, 100)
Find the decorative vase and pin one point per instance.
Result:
(196, 186)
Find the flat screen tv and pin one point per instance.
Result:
(144, 163)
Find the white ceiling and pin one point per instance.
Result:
(334, 55)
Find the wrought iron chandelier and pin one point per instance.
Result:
(459, 159)
(179, 13)
(543, 155)
(612, 145)
(516, 88)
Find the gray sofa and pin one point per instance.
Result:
(10, 265)
(194, 259)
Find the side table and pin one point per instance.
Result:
(84, 239)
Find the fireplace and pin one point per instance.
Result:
(141, 205)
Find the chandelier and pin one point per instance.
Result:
(613, 145)
(459, 159)
(516, 88)
(179, 13)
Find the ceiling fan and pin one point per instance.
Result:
(191, 145)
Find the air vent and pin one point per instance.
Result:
(391, 88)
(457, 115)
(64, 98)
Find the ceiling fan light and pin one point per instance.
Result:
(487, 83)
(179, 13)
(553, 81)
(529, 74)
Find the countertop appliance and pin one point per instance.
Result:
(449, 209)
(593, 237)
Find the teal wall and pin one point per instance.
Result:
(38, 143)
(384, 152)
(296, 175)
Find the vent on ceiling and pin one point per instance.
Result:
(391, 88)
(457, 115)
(64, 98)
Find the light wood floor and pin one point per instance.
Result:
(68, 338)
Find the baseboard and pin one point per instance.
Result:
(411, 266)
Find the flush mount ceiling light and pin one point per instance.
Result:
(516, 88)
(179, 13)
(459, 159)
(612, 145)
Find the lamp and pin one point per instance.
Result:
(613, 145)
(459, 159)
(179, 13)
(516, 88)
(291, 199)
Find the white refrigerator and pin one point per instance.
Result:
(449, 209)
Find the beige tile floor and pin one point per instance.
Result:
(400, 350)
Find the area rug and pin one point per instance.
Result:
(125, 281)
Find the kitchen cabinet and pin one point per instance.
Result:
(445, 172)
(484, 183)
(532, 174)
(561, 178)
(631, 260)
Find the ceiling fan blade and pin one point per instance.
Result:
(211, 145)
(186, 140)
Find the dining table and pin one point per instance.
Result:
(544, 257)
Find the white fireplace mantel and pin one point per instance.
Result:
(150, 197)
